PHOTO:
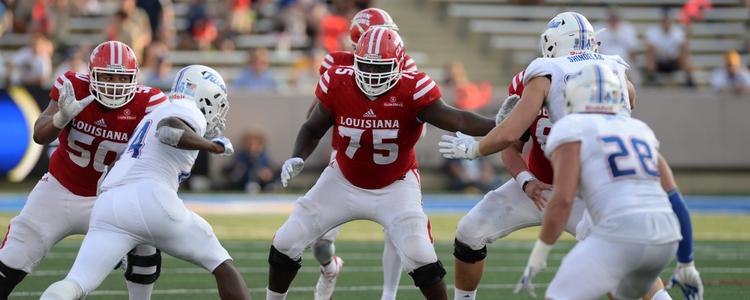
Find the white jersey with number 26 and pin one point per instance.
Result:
(619, 176)
(560, 68)
(146, 158)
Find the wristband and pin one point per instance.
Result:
(523, 178)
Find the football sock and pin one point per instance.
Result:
(464, 295)
(391, 272)
(271, 295)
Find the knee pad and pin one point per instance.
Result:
(143, 269)
(428, 275)
(281, 261)
(323, 250)
(65, 289)
(11, 278)
(464, 253)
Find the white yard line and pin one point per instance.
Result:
(360, 288)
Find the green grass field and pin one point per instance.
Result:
(722, 256)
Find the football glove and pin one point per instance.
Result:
(506, 108)
(688, 279)
(291, 168)
(460, 146)
(226, 143)
(537, 263)
(69, 106)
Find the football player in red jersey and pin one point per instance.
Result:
(378, 112)
(323, 248)
(91, 135)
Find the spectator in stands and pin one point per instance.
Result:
(733, 78)
(334, 27)
(3, 72)
(74, 61)
(131, 26)
(251, 169)
(305, 72)
(667, 51)
(471, 176)
(160, 16)
(6, 17)
(619, 38)
(161, 76)
(466, 94)
(32, 65)
(201, 25)
(240, 16)
(257, 75)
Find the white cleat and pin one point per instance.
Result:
(327, 281)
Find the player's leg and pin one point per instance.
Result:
(500, 212)
(42, 222)
(229, 282)
(144, 267)
(330, 265)
(645, 270)
(392, 268)
(399, 211)
(312, 216)
(100, 251)
(591, 269)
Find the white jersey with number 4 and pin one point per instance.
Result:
(146, 158)
(560, 68)
(619, 177)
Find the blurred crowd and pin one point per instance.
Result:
(151, 28)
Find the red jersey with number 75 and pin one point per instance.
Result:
(96, 136)
(538, 164)
(376, 135)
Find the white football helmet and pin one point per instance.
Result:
(594, 89)
(566, 33)
(206, 87)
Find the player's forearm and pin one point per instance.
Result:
(513, 159)
(307, 140)
(555, 217)
(496, 140)
(471, 124)
(192, 141)
(44, 131)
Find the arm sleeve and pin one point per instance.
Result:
(537, 68)
(567, 130)
(54, 93)
(425, 91)
(156, 99)
(322, 90)
(190, 114)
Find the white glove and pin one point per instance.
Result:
(506, 108)
(459, 146)
(216, 131)
(537, 263)
(224, 141)
(69, 106)
(291, 168)
(688, 279)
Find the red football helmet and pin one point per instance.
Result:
(112, 58)
(366, 18)
(378, 60)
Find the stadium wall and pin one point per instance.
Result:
(697, 129)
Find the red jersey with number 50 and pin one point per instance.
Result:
(376, 135)
(538, 164)
(94, 138)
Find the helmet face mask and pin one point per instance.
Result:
(205, 87)
(378, 61)
(112, 74)
(594, 89)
